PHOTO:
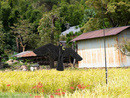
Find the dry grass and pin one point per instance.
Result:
(93, 81)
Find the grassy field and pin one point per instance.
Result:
(77, 83)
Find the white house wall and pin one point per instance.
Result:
(124, 59)
(92, 52)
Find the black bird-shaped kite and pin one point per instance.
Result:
(58, 53)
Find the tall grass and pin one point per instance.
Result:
(93, 81)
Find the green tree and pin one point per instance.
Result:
(47, 3)
(23, 33)
(114, 12)
(72, 13)
(88, 13)
(11, 13)
(5, 10)
(12, 3)
(2, 38)
(8, 15)
(47, 28)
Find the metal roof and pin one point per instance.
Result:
(71, 29)
(99, 33)
(26, 54)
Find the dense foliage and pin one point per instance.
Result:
(28, 24)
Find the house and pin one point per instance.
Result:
(73, 29)
(91, 48)
(26, 54)
(31, 56)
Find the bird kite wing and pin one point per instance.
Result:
(70, 52)
(46, 49)
(50, 48)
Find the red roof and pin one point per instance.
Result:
(26, 54)
(99, 33)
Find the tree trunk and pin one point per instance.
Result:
(52, 41)
(51, 57)
(52, 29)
(0, 58)
(23, 48)
(52, 37)
(17, 44)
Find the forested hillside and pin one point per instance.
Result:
(28, 24)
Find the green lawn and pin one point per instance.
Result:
(14, 95)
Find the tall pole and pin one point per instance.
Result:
(106, 72)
